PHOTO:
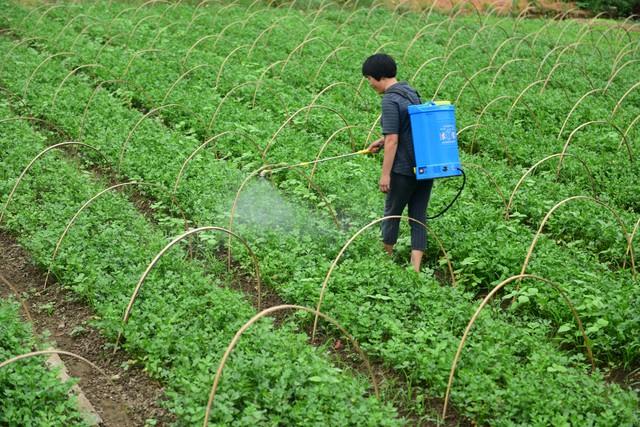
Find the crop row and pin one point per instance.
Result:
(30, 394)
(169, 91)
(358, 268)
(477, 263)
(185, 316)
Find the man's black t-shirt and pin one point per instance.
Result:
(395, 119)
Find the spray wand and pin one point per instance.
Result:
(266, 171)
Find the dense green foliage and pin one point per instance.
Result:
(240, 69)
(29, 393)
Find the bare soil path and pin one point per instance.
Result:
(131, 398)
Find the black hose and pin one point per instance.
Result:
(464, 181)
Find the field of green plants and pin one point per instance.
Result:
(178, 107)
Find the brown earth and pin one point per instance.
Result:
(131, 397)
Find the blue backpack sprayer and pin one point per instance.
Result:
(435, 142)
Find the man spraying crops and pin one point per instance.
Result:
(398, 179)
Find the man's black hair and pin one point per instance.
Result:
(378, 66)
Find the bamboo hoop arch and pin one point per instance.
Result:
(615, 72)
(319, 11)
(265, 31)
(15, 46)
(224, 63)
(90, 201)
(286, 122)
(484, 303)
(421, 32)
(333, 53)
(548, 215)
(68, 24)
(105, 44)
(300, 46)
(615, 109)
(521, 95)
(72, 72)
(499, 48)
(148, 2)
(52, 351)
(32, 11)
(424, 64)
(193, 154)
(312, 184)
(544, 59)
(40, 65)
(327, 141)
(532, 168)
(484, 109)
(46, 12)
(373, 126)
(470, 79)
(346, 245)
(22, 302)
(223, 30)
(566, 144)
(621, 54)
(328, 88)
(122, 12)
(546, 80)
(137, 25)
(592, 91)
(453, 36)
(40, 154)
(160, 32)
(633, 122)
(454, 50)
(233, 89)
(263, 313)
(176, 240)
(450, 73)
(502, 67)
(135, 55)
(131, 132)
(491, 178)
(179, 79)
(194, 18)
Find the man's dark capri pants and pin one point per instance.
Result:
(405, 190)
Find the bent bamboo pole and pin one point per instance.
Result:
(25, 88)
(72, 72)
(131, 132)
(553, 209)
(40, 154)
(532, 168)
(484, 303)
(257, 317)
(193, 154)
(43, 352)
(566, 144)
(155, 260)
(346, 245)
(286, 122)
(91, 200)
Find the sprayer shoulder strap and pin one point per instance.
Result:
(405, 95)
